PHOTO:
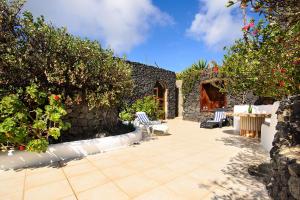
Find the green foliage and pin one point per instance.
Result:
(148, 104)
(266, 63)
(195, 67)
(33, 51)
(127, 114)
(191, 75)
(29, 117)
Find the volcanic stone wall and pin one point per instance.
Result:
(88, 123)
(191, 102)
(145, 78)
(285, 155)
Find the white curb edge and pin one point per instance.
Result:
(67, 150)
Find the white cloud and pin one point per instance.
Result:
(215, 24)
(120, 24)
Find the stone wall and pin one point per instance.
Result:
(284, 182)
(88, 123)
(191, 103)
(145, 78)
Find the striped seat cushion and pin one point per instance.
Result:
(219, 116)
(142, 117)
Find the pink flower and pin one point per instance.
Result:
(251, 24)
(254, 33)
(246, 28)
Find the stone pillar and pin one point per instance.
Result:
(180, 98)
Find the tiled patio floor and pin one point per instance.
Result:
(191, 163)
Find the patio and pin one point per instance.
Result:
(190, 163)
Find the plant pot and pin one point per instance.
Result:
(22, 148)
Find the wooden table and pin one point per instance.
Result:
(250, 124)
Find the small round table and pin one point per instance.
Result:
(250, 124)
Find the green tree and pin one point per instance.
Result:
(78, 69)
(267, 61)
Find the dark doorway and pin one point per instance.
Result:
(177, 101)
(159, 94)
(211, 98)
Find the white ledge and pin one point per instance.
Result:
(67, 150)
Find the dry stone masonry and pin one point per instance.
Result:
(191, 103)
(284, 182)
(145, 78)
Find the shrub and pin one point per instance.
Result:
(29, 118)
(127, 114)
(34, 51)
(148, 104)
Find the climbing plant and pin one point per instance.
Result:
(191, 75)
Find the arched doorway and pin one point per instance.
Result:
(159, 93)
(210, 97)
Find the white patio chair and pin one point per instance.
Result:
(151, 126)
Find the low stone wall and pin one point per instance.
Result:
(87, 122)
(284, 182)
(144, 79)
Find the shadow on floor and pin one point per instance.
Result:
(238, 183)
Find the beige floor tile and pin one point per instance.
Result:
(104, 163)
(41, 169)
(141, 165)
(13, 196)
(75, 170)
(38, 179)
(10, 186)
(88, 180)
(104, 192)
(188, 187)
(136, 184)
(161, 193)
(49, 191)
(123, 157)
(206, 174)
(179, 167)
(12, 174)
(161, 174)
(74, 162)
(118, 172)
(72, 197)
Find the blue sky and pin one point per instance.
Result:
(172, 34)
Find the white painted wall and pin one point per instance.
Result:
(67, 150)
(244, 109)
(268, 131)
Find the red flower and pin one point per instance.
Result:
(21, 148)
(254, 33)
(273, 70)
(282, 70)
(246, 28)
(281, 83)
(216, 69)
(297, 62)
(56, 97)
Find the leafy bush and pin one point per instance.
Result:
(127, 114)
(148, 104)
(29, 118)
(32, 50)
